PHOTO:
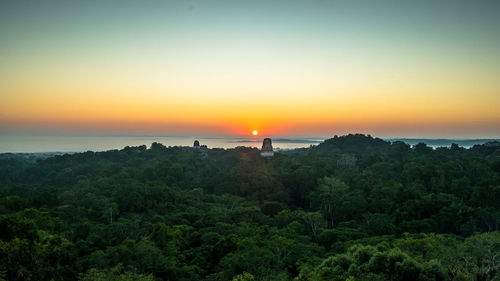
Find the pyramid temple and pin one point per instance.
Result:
(267, 148)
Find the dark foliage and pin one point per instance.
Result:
(352, 208)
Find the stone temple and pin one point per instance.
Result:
(267, 148)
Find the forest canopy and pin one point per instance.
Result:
(351, 208)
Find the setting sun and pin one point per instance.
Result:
(370, 112)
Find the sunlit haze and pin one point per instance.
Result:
(387, 68)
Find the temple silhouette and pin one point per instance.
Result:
(267, 148)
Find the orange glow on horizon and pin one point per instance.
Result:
(206, 73)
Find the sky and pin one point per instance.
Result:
(317, 67)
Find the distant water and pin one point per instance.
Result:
(79, 143)
(31, 143)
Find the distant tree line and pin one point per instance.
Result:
(351, 208)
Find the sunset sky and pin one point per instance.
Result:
(388, 68)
